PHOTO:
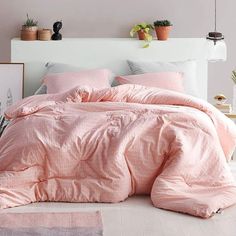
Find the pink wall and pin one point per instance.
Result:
(112, 18)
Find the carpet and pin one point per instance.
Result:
(51, 224)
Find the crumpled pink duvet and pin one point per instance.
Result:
(90, 145)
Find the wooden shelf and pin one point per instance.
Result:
(231, 115)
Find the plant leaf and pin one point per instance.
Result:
(131, 33)
(146, 45)
(143, 25)
(148, 37)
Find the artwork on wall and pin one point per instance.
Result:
(11, 84)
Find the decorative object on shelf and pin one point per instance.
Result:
(221, 105)
(3, 124)
(29, 29)
(143, 31)
(233, 77)
(225, 108)
(11, 88)
(220, 99)
(217, 49)
(162, 28)
(44, 34)
(57, 26)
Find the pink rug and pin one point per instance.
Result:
(51, 224)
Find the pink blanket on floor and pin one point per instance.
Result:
(105, 145)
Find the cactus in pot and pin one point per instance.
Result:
(29, 29)
(162, 28)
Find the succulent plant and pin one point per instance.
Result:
(233, 77)
(30, 22)
(162, 23)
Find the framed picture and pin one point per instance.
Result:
(11, 84)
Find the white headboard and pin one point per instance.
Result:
(110, 53)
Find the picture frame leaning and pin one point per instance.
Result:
(11, 84)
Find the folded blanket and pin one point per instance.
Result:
(90, 145)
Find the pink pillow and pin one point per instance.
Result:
(165, 80)
(61, 82)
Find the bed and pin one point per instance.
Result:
(185, 123)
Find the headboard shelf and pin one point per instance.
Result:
(110, 53)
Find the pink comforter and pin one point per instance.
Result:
(105, 145)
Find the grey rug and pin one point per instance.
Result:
(51, 224)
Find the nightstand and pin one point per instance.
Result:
(231, 115)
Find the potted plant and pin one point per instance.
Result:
(29, 29)
(162, 28)
(143, 31)
(233, 77)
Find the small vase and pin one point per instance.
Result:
(44, 34)
(162, 32)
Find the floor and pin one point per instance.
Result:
(137, 217)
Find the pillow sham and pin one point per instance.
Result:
(61, 82)
(52, 68)
(188, 68)
(166, 80)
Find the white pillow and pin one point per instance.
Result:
(188, 68)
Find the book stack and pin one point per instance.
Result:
(225, 108)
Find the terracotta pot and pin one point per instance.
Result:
(31, 28)
(162, 32)
(44, 34)
(141, 35)
(29, 33)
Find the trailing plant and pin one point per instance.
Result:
(233, 77)
(3, 124)
(159, 23)
(30, 22)
(146, 29)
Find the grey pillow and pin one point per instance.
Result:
(41, 90)
(188, 68)
(53, 68)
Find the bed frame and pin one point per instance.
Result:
(110, 53)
